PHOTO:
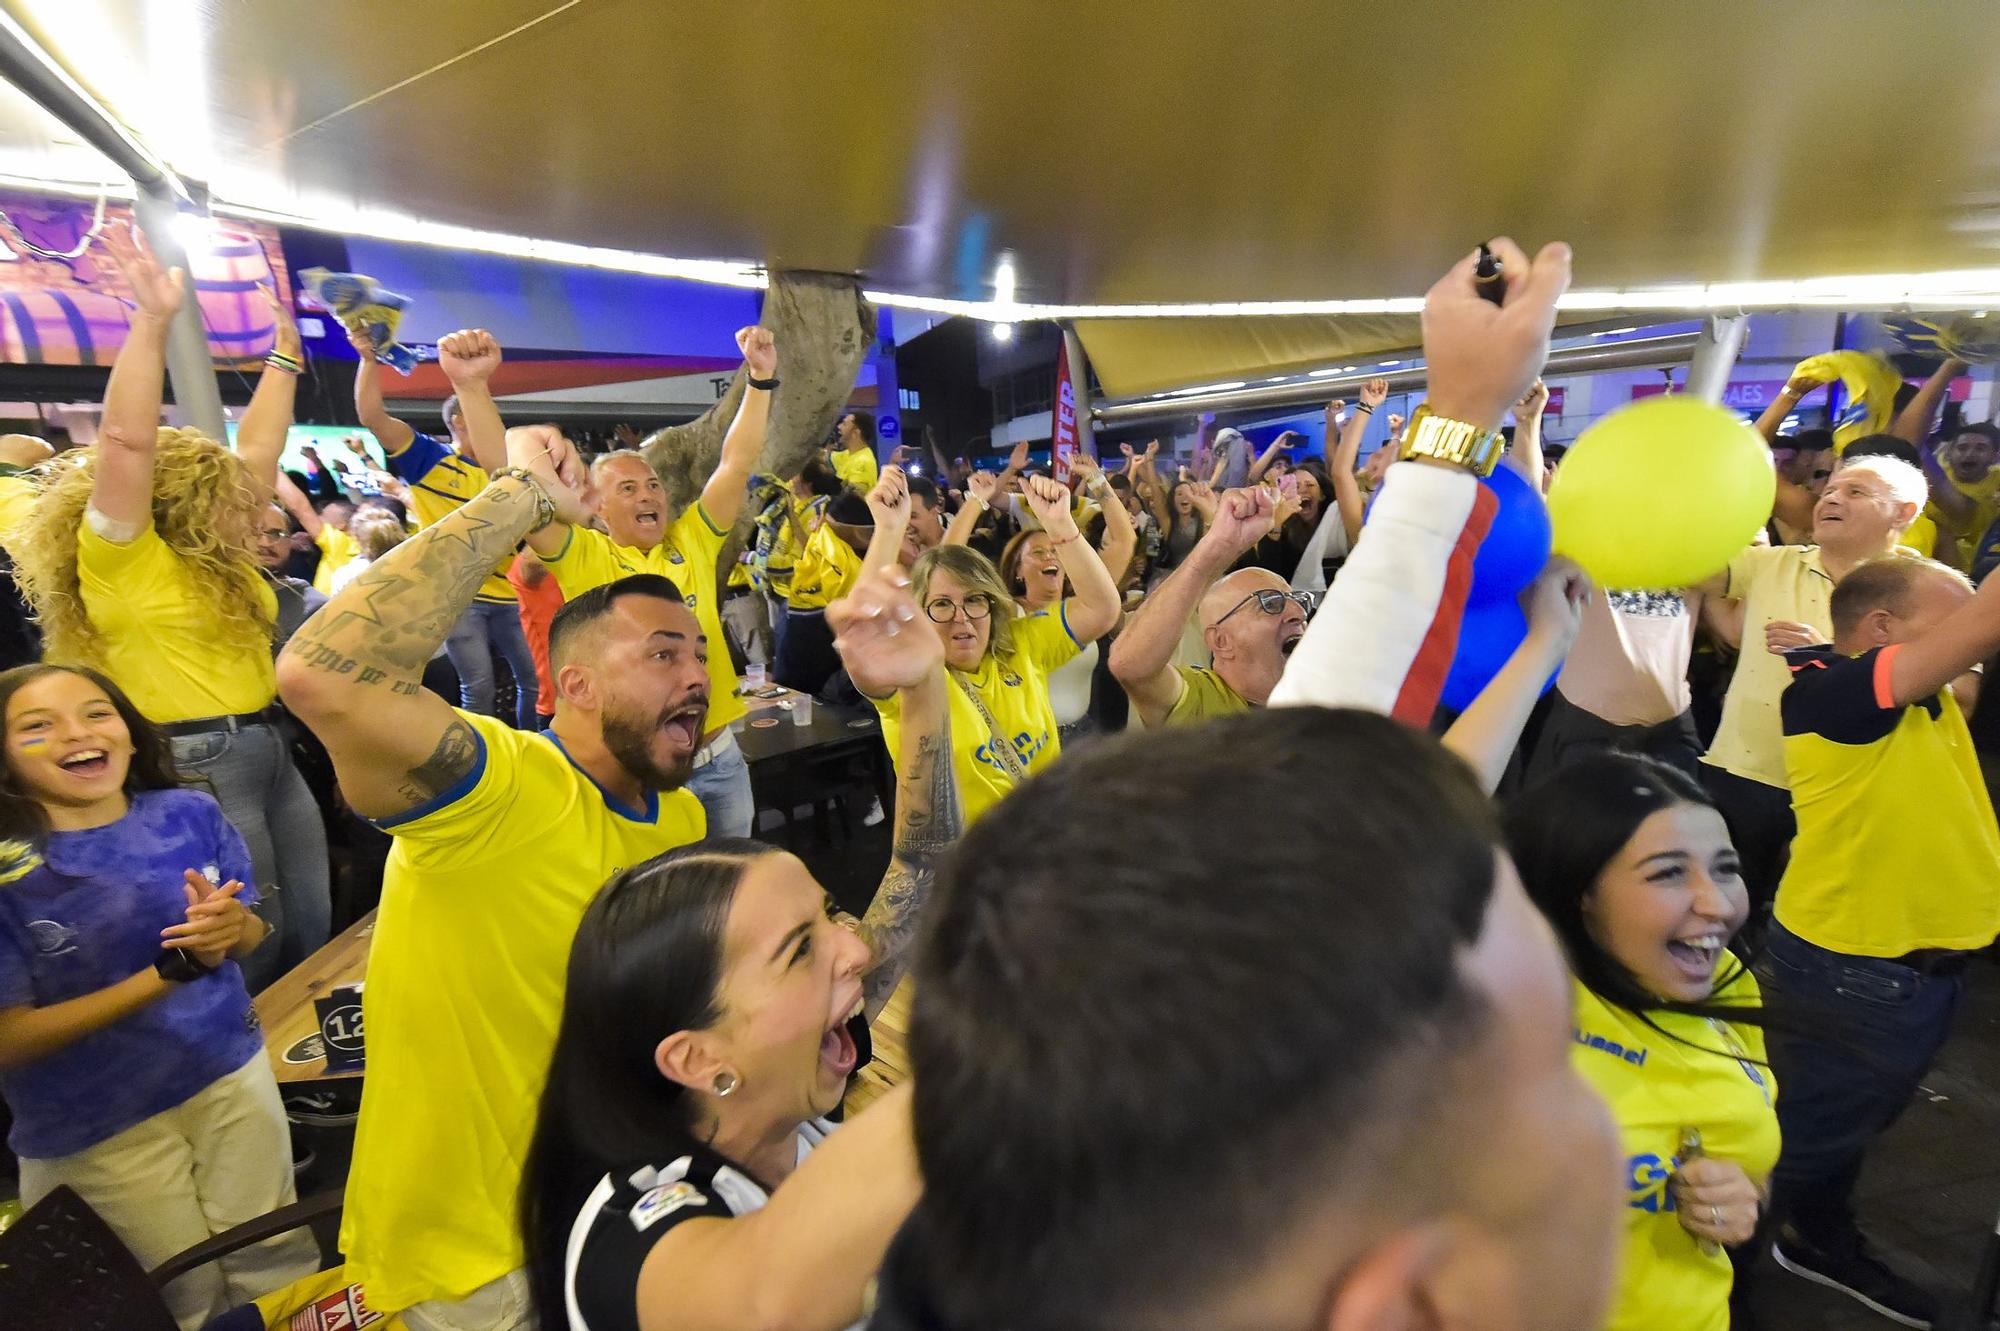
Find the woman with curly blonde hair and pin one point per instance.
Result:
(140, 561)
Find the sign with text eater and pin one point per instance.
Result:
(1062, 435)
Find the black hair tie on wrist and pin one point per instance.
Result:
(765, 384)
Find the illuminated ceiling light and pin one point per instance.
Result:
(1618, 332)
(1003, 279)
(1321, 374)
(1003, 332)
(195, 231)
(1387, 363)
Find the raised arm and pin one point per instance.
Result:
(1093, 609)
(887, 648)
(1785, 403)
(1121, 538)
(1152, 491)
(468, 358)
(889, 503)
(1142, 658)
(1390, 622)
(128, 438)
(1526, 453)
(1487, 732)
(1958, 509)
(354, 671)
(1963, 639)
(729, 483)
(804, 1261)
(300, 507)
(1262, 462)
(1914, 421)
(980, 489)
(394, 435)
(1341, 467)
(260, 436)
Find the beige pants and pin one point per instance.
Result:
(498, 1305)
(190, 1173)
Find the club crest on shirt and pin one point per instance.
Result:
(1010, 679)
(674, 557)
(52, 938)
(658, 1203)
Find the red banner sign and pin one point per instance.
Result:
(1062, 433)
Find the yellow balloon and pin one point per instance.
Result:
(1661, 494)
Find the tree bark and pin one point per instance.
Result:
(823, 330)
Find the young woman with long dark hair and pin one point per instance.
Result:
(714, 1011)
(1632, 865)
(129, 1053)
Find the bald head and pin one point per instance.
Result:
(1228, 593)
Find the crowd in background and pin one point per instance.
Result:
(494, 680)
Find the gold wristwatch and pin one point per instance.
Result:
(1457, 442)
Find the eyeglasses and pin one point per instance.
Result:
(943, 610)
(1272, 602)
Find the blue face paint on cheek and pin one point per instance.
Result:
(35, 742)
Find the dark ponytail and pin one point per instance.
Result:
(647, 961)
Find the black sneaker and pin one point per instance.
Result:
(1857, 1272)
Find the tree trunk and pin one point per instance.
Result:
(823, 329)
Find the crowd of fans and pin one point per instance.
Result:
(1544, 1013)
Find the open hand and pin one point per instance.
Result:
(760, 351)
(1716, 1200)
(1481, 357)
(216, 920)
(982, 486)
(469, 356)
(546, 454)
(286, 343)
(881, 637)
(1784, 635)
(157, 292)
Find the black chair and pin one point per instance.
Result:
(62, 1268)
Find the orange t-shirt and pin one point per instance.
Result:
(539, 603)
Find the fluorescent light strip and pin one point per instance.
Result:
(26, 41)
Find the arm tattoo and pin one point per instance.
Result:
(384, 626)
(927, 824)
(456, 752)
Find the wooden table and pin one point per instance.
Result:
(286, 1008)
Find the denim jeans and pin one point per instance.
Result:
(487, 627)
(723, 786)
(250, 773)
(1885, 1023)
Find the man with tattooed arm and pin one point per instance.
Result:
(502, 837)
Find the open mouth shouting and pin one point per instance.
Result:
(1695, 955)
(839, 1048)
(649, 519)
(683, 726)
(86, 762)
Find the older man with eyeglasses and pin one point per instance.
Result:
(1250, 621)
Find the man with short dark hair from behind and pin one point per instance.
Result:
(1891, 886)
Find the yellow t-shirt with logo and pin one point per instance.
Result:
(788, 544)
(159, 634)
(1773, 582)
(857, 466)
(1985, 496)
(18, 493)
(687, 557)
(1015, 689)
(1897, 849)
(1203, 695)
(336, 551)
(1711, 1079)
(826, 571)
(485, 887)
(440, 481)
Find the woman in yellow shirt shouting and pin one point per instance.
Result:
(1633, 867)
(140, 560)
(1003, 726)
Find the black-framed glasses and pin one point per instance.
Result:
(1272, 602)
(943, 610)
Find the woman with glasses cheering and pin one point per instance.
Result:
(1002, 723)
